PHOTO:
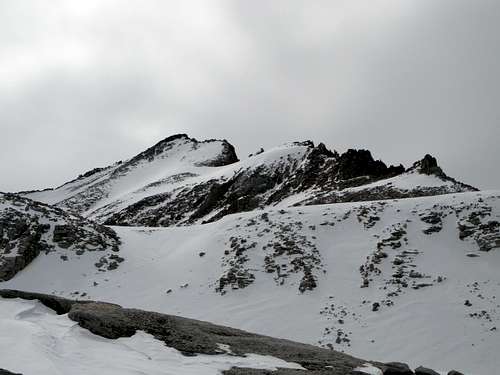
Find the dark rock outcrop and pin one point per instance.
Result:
(428, 165)
(28, 228)
(425, 371)
(397, 368)
(358, 163)
(5, 372)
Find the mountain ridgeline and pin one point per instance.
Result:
(381, 261)
(181, 181)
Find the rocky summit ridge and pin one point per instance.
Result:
(182, 181)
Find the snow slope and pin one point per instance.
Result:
(388, 280)
(51, 344)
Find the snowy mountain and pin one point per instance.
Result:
(182, 181)
(297, 242)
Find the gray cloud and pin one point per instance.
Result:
(83, 84)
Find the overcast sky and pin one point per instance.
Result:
(86, 83)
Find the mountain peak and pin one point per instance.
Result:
(428, 165)
(226, 155)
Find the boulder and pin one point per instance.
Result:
(397, 368)
(425, 371)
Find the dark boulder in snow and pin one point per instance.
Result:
(425, 371)
(397, 368)
(308, 282)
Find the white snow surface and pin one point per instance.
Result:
(407, 181)
(431, 326)
(369, 369)
(34, 340)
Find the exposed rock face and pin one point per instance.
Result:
(425, 371)
(428, 165)
(226, 157)
(397, 368)
(5, 372)
(28, 228)
(357, 163)
(481, 227)
(20, 242)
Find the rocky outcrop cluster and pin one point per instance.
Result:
(28, 228)
(479, 226)
(398, 368)
(288, 255)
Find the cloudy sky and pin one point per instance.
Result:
(86, 83)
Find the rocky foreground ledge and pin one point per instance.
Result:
(192, 337)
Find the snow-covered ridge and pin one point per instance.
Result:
(181, 181)
(173, 155)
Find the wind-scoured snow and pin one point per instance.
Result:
(395, 280)
(34, 340)
(369, 369)
(407, 181)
